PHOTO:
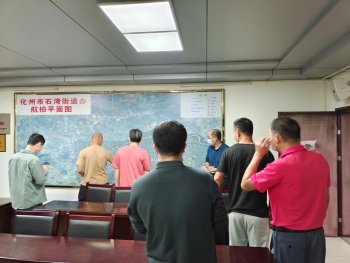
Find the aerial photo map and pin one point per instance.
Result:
(68, 121)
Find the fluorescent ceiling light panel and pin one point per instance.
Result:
(145, 17)
(150, 42)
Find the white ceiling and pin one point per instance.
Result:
(72, 42)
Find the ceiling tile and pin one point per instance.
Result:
(319, 72)
(170, 78)
(41, 31)
(257, 30)
(290, 65)
(10, 59)
(190, 16)
(168, 69)
(101, 80)
(242, 65)
(92, 71)
(34, 81)
(333, 26)
(239, 75)
(287, 74)
(27, 72)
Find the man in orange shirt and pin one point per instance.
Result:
(92, 163)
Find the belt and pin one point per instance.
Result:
(283, 229)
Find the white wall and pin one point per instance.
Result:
(260, 102)
(331, 104)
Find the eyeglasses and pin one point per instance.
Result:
(270, 139)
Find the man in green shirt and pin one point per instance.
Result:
(27, 175)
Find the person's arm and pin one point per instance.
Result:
(110, 157)
(117, 177)
(218, 178)
(221, 170)
(261, 148)
(134, 217)
(147, 164)
(327, 198)
(207, 165)
(81, 170)
(39, 171)
(80, 162)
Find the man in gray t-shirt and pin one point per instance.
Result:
(27, 175)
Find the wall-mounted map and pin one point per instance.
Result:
(67, 122)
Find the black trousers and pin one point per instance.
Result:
(81, 192)
(306, 247)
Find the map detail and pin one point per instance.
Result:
(114, 115)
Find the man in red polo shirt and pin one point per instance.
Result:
(298, 186)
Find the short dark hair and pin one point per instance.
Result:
(244, 125)
(170, 137)
(287, 128)
(135, 135)
(36, 138)
(216, 133)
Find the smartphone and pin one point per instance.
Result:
(46, 163)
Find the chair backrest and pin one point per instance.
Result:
(122, 194)
(15, 260)
(99, 193)
(41, 222)
(89, 225)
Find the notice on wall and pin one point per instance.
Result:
(70, 104)
(5, 124)
(201, 105)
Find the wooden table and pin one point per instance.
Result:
(123, 228)
(6, 211)
(83, 250)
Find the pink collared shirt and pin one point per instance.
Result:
(132, 162)
(297, 184)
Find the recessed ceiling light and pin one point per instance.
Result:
(149, 26)
(141, 17)
(150, 42)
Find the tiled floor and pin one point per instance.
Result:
(337, 250)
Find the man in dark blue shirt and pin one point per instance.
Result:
(215, 150)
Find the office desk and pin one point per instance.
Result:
(123, 228)
(83, 250)
(5, 215)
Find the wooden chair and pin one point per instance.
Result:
(122, 194)
(37, 222)
(89, 225)
(99, 193)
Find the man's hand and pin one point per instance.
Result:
(212, 169)
(262, 146)
(46, 168)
